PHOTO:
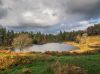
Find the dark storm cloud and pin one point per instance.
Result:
(48, 15)
(3, 13)
(90, 8)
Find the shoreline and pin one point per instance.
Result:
(80, 50)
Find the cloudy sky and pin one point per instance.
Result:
(48, 16)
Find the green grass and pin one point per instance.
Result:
(88, 62)
(36, 67)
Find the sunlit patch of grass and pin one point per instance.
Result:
(92, 43)
(2, 54)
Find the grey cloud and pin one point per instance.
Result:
(90, 8)
(3, 13)
(47, 15)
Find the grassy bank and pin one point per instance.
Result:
(92, 43)
(40, 63)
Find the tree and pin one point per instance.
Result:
(84, 41)
(94, 30)
(21, 41)
(78, 38)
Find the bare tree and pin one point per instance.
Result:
(21, 41)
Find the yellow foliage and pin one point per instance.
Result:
(86, 43)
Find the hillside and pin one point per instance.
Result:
(92, 43)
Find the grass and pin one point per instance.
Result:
(40, 63)
(91, 63)
(88, 62)
(37, 68)
(91, 41)
(2, 54)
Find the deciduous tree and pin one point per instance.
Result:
(22, 41)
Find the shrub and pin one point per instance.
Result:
(5, 62)
(11, 61)
(26, 71)
(72, 69)
(58, 68)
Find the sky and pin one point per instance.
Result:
(49, 16)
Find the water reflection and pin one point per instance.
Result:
(50, 47)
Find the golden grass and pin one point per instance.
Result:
(90, 41)
(9, 59)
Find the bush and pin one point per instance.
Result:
(58, 68)
(5, 62)
(26, 71)
(11, 61)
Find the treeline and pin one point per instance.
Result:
(94, 30)
(6, 37)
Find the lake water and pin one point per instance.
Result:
(50, 47)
